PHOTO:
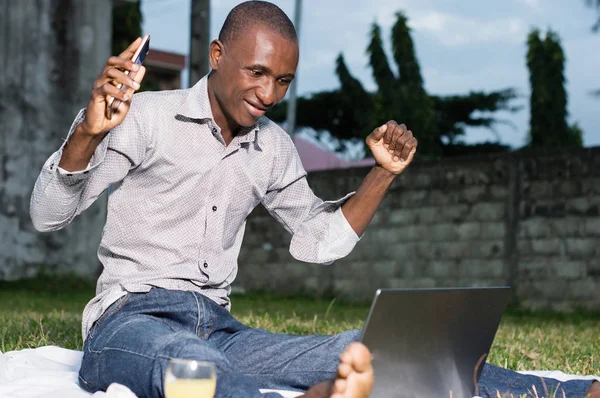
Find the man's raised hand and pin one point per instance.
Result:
(96, 122)
(393, 146)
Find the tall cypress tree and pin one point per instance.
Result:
(386, 106)
(548, 101)
(126, 24)
(354, 96)
(402, 97)
(417, 107)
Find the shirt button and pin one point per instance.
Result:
(205, 265)
(214, 208)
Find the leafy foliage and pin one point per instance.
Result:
(548, 102)
(126, 24)
(438, 121)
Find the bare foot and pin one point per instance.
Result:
(355, 373)
(354, 378)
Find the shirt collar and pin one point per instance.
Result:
(196, 105)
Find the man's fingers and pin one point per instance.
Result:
(137, 79)
(122, 63)
(401, 141)
(411, 143)
(120, 77)
(394, 135)
(387, 138)
(412, 152)
(378, 133)
(111, 70)
(108, 89)
(129, 51)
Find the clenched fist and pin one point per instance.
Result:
(393, 146)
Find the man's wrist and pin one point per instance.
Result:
(82, 136)
(381, 172)
(79, 149)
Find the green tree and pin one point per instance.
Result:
(346, 113)
(402, 97)
(454, 113)
(126, 24)
(548, 101)
(352, 112)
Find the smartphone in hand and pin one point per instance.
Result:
(138, 58)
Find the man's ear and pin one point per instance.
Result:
(215, 54)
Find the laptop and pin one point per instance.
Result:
(432, 342)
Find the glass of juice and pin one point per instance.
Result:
(186, 378)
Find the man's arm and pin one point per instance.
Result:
(393, 148)
(87, 136)
(322, 232)
(74, 176)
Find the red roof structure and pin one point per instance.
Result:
(166, 60)
(316, 158)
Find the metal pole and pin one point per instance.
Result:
(291, 110)
(199, 40)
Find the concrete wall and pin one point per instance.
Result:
(50, 53)
(531, 221)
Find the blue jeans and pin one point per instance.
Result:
(134, 339)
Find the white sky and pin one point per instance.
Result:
(462, 45)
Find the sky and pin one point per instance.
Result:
(462, 46)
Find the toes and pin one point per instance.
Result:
(361, 356)
(346, 356)
(344, 370)
(339, 387)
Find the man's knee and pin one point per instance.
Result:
(186, 345)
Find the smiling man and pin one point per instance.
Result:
(183, 170)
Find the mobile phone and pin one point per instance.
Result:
(138, 58)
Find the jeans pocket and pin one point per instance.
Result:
(110, 311)
(88, 376)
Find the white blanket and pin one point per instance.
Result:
(51, 372)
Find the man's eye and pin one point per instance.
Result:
(285, 81)
(255, 72)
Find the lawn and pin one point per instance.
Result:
(47, 311)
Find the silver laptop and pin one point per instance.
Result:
(432, 342)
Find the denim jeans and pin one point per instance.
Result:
(134, 339)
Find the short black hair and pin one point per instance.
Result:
(246, 15)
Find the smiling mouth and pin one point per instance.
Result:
(255, 110)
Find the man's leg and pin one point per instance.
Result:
(133, 349)
(287, 362)
(495, 379)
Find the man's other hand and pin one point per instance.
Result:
(393, 146)
(97, 123)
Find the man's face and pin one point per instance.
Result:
(253, 74)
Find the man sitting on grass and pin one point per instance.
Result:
(183, 170)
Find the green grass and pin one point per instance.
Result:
(47, 311)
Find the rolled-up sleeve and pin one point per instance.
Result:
(58, 197)
(320, 231)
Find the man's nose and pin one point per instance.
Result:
(266, 93)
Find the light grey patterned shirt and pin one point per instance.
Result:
(178, 199)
